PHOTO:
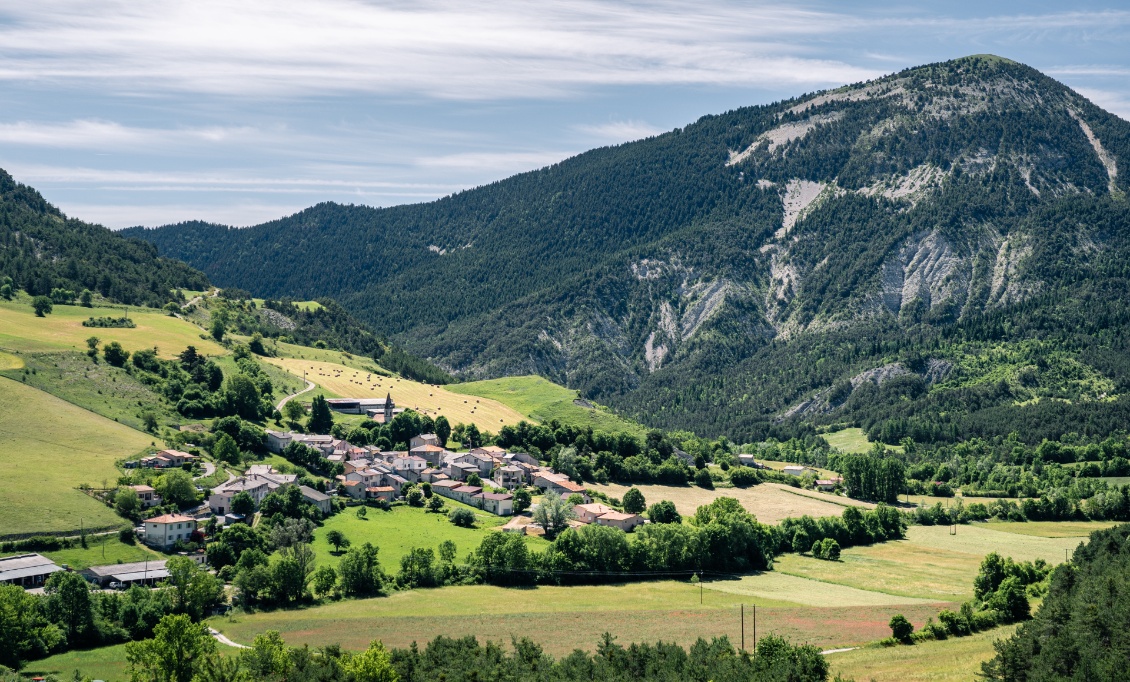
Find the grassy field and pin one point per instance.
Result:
(49, 446)
(22, 331)
(566, 618)
(433, 401)
(101, 550)
(1051, 529)
(400, 529)
(106, 663)
(853, 440)
(542, 400)
(769, 502)
(929, 564)
(777, 586)
(950, 660)
(930, 500)
(105, 390)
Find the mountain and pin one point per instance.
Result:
(938, 254)
(41, 250)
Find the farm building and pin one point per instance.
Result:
(138, 573)
(319, 499)
(27, 570)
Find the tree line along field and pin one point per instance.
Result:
(48, 447)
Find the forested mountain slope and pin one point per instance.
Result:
(937, 254)
(41, 250)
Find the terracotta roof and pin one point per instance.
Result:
(595, 508)
(142, 488)
(497, 496)
(381, 489)
(352, 483)
(617, 516)
(428, 448)
(447, 484)
(170, 518)
(570, 486)
(473, 489)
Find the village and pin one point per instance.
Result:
(487, 478)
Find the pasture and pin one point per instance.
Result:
(95, 386)
(401, 528)
(929, 564)
(434, 401)
(101, 550)
(47, 448)
(1051, 529)
(950, 660)
(562, 619)
(542, 400)
(21, 330)
(769, 502)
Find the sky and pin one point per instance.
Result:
(149, 113)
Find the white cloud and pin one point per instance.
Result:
(619, 131)
(495, 162)
(92, 134)
(472, 49)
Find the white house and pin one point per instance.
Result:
(164, 531)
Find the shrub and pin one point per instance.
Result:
(901, 628)
(464, 518)
(703, 480)
(743, 477)
(126, 536)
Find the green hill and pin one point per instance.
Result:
(937, 254)
(41, 250)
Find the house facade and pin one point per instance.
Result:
(165, 531)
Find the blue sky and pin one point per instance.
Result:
(129, 113)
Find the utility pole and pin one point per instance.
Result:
(743, 627)
(755, 628)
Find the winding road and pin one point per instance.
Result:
(284, 401)
(222, 639)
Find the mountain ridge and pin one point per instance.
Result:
(663, 276)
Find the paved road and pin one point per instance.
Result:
(224, 640)
(209, 469)
(284, 401)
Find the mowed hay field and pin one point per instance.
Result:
(434, 401)
(543, 400)
(769, 502)
(951, 660)
(47, 448)
(21, 330)
(929, 564)
(562, 619)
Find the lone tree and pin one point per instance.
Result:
(226, 449)
(336, 538)
(243, 503)
(217, 329)
(321, 421)
(42, 305)
(293, 410)
(522, 500)
(553, 514)
(634, 502)
(443, 430)
(664, 512)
